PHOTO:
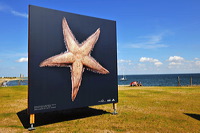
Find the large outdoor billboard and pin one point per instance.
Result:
(72, 61)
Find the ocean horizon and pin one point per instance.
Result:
(145, 79)
(161, 79)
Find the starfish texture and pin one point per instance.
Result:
(77, 57)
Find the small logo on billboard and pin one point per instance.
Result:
(109, 100)
(102, 101)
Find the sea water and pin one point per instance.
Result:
(161, 79)
(17, 82)
(146, 80)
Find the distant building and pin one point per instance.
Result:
(21, 76)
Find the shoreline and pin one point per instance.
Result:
(2, 80)
(128, 87)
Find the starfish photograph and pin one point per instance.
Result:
(77, 57)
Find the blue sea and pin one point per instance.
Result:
(161, 79)
(146, 80)
(18, 82)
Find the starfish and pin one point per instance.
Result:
(77, 57)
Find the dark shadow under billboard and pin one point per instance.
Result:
(59, 116)
(72, 61)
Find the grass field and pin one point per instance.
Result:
(140, 109)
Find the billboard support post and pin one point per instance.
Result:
(115, 108)
(32, 121)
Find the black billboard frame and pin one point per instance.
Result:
(111, 68)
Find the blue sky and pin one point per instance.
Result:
(153, 36)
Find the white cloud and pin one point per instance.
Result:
(22, 60)
(148, 65)
(174, 63)
(148, 46)
(124, 61)
(146, 59)
(177, 62)
(151, 42)
(176, 58)
(124, 66)
(19, 14)
(197, 63)
(158, 64)
(5, 8)
(151, 60)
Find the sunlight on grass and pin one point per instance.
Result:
(140, 109)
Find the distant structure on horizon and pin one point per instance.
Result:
(21, 76)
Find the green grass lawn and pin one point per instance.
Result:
(140, 109)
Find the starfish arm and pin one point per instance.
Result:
(89, 43)
(76, 77)
(70, 41)
(60, 60)
(93, 65)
